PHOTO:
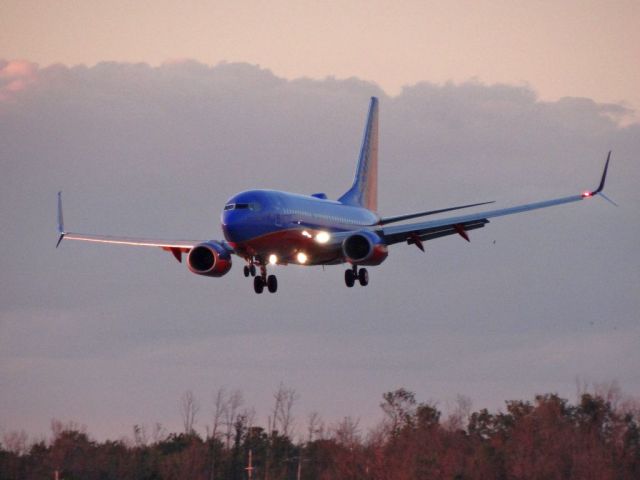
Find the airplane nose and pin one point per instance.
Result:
(231, 231)
(234, 227)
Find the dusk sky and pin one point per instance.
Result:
(150, 116)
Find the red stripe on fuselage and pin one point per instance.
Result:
(286, 244)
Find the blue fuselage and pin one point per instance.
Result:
(260, 223)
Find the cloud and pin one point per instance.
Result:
(156, 151)
(16, 76)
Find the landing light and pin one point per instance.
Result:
(302, 257)
(273, 259)
(306, 234)
(323, 237)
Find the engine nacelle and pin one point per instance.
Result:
(364, 248)
(210, 259)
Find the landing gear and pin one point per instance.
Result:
(258, 284)
(272, 283)
(263, 280)
(349, 278)
(363, 277)
(249, 270)
(353, 274)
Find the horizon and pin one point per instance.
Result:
(488, 111)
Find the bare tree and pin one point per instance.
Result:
(58, 428)
(189, 408)
(399, 407)
(457, 419)
(610, 392)
(315, 427)
(285, 398)
(220, 407)
(158, 434)
(347, 432)
(139, 435)
(15, 442)
(230, 414)
(219, 411)
(250, 415)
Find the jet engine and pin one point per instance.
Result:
(364, 248)
(210, 259)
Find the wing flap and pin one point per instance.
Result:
(424, 234)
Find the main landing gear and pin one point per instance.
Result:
(353, 274)
(271, 282)
(262, 280)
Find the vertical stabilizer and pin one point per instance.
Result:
(364, 192)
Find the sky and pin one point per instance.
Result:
(150, 118)
(570, 48)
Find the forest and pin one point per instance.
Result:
(597, 437)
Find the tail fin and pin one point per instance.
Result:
(364, 192)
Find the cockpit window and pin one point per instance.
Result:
(243, 206)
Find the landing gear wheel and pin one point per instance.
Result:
(252, 270)
(246, 270)
(258, 284)
(272, 283)
(349, 278)
(363, 277)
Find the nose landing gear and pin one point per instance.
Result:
(353, 274)
(250, 270)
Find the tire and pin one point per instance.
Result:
(272, 283)
(349, 278)
(252, 270)
(258, 285)
(246, 270)
(363, 277)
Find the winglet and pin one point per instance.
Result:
(61, 231)
(604, 177)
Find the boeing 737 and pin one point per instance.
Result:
(268, 227)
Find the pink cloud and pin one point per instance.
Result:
(18, 68)
(16, 76)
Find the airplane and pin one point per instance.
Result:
(269, 227)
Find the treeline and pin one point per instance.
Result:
(598, 437)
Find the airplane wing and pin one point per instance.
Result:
(416, 233)
(176, 247)
(409, 216)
